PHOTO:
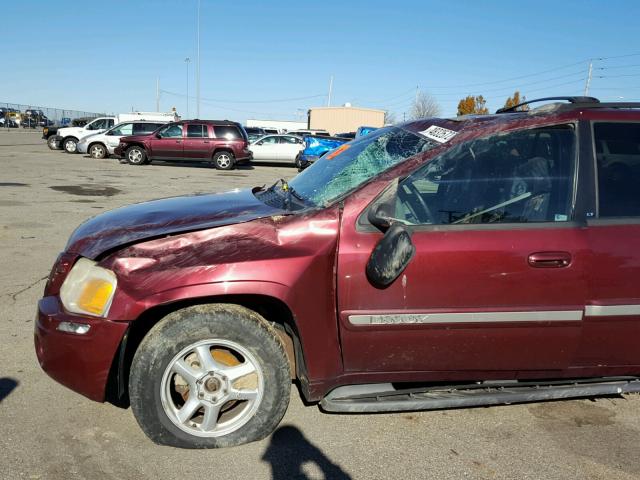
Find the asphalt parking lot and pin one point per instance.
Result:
(49, 432)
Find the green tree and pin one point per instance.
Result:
(471, 105)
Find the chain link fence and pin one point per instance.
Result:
(16, 115)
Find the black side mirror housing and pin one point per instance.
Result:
(390, 256)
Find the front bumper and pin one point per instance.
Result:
(119, 151)
(79, 362)
(82, 147)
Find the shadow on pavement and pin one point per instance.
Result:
(7, 385)
(289, 450)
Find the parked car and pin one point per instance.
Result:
(315, 147)
(68, 137)
(303, 132)
(254, 133)
(441, 263)
(6, 120)
(221, 142)
(50, 133)
(101, 145)
(277, 148)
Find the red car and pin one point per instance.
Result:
(440, 263)
(221, 142)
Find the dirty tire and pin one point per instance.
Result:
(98, 151)
(136, 155)
(70, 145)
(52, 143)
(189, 328)
(223, 160)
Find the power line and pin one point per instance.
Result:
(281, 100)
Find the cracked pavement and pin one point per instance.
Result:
(50, 432)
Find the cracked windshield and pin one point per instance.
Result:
(354, 163)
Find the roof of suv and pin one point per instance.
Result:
(209, 122)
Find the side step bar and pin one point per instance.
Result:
(383, 397)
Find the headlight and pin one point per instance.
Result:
(88, 289)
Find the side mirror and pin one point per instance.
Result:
(390, 256)
(158, 135)
(259, 143)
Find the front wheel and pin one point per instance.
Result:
(210, 376)
(136, 155)
(52, 143)
(98, 151)
(70, 145)
(223, 160)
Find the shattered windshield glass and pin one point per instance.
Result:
(356, 162)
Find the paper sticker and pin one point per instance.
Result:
(439, 134)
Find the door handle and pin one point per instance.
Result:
(206, 141)
(550, 259)
(178, 141)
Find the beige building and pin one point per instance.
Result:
(344, 119)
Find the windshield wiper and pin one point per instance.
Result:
(289, 192)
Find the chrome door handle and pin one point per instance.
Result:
(550, 259)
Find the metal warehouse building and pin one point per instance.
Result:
(344, 119)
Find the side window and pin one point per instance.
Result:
(171, 131)
(98, 125)
(124, 129)
(287, 140)
(519, 177)
(110, 123)
(228, 132)
(270, 140)
(144, 128)
(618, 164)
(196, 131)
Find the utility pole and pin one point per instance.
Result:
(330, 90)
(586, 87)
(198, 68)
(188, 61)
(157, 94)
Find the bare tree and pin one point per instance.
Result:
(424, 106)
(389, 118)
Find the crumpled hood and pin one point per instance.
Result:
(157, 218)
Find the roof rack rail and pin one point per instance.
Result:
(574, 100)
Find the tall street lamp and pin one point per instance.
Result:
(187, 61)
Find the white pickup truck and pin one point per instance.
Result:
(67, 138)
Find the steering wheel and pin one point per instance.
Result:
(415, 203)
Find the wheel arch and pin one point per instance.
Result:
(97, 143)
(222, 149)
(272, 309)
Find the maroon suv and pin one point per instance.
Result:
(222, 142)
(439, 263)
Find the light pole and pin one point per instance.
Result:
(187, 61)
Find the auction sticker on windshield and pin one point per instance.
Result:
(439, 134)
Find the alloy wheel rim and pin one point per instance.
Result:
(135, 156)
(212, 388)
(97, 151)
(224, 161)
(70, 146)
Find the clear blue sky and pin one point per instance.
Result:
(106, 56)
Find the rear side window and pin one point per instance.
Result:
(617, 147)
(142, 128)
(228, 132)
(123, 129)
(197, 131)
(520, 177)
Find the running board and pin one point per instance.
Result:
(383, 397)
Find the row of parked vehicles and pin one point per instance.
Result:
(31, 118)
(141, 137)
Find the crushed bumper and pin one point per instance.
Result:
(81, 362)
